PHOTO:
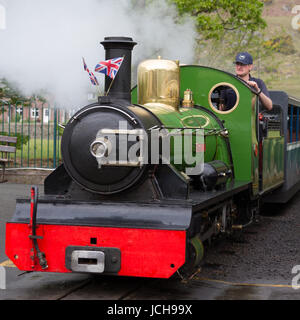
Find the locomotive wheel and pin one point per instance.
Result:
(195, 254)
(197, 250)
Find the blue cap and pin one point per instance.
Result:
(244, 58)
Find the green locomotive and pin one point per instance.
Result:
(138, 218)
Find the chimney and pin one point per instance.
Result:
(118, 47)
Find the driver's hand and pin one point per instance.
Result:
(254, 85)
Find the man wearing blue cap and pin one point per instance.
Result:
(243, 66)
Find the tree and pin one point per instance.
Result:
(216, 17)
(10, 94)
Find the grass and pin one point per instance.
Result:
(37, 153)
(280, 71)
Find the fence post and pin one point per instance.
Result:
(34, 147)
(54, 136)
(22, 132)
(42, 134)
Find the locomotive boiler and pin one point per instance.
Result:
(149, 174)
(99, 144)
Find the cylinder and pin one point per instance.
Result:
(116, 47)
(215, 174)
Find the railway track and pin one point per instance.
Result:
(257, 266)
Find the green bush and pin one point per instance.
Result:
(282, 44)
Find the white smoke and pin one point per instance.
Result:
(44, 41)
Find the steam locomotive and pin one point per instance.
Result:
(123, 204)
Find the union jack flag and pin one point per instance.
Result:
(93, 78)
(109, 67)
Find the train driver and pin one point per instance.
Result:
(243, 65)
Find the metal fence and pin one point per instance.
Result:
(39, 133)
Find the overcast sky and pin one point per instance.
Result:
(43, 42)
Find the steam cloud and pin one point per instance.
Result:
(42, 45)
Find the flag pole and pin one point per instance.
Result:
(94, 77)
(113, 80)
(107, 92)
